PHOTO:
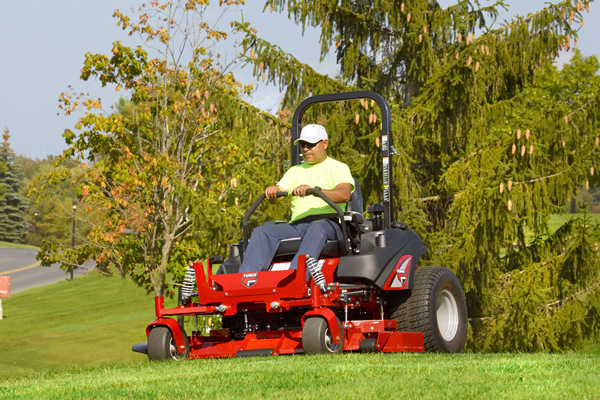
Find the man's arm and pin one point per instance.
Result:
(341, 193)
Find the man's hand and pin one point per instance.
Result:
(300, 191)
(271, 192)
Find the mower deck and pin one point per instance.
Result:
(277, 292)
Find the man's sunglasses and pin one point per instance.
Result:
(308, 145)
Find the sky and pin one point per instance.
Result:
(43, 44)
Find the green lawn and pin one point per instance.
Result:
(348, 376)
(16, 245)
(88, 321)
(557, 220)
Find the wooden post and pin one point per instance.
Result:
(4, 290)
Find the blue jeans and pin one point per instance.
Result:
(266, 238)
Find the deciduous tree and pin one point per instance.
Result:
(164, 168)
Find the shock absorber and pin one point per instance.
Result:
(315, 272)
(189, 284)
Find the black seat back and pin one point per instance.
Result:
(356, 200)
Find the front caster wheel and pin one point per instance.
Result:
(161, 345)
(316, 337)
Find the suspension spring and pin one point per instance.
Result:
(315, 272)
(189, 284)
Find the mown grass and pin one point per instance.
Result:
(16, 245)
(348, 376)
(90, 320)
(555, 221)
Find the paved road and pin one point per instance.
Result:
(25, 271)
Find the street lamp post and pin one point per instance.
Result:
(35, 218)
(73, 233)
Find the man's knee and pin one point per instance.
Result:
(323, 228)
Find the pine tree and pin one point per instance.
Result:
(491, 141)
(13, 205)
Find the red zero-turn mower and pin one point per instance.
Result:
(366, 292)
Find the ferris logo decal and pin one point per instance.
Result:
(249, 279)
(401, 273)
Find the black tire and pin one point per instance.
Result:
(161, 345)
(437, 307)
(316, 337)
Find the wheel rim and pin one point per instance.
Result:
(332, 348)
(173, 350)
(447, 315)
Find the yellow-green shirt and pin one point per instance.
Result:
(327, 175)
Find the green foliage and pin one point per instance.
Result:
(50, 211)
(170, 172)
(492, 139)
(13, 205)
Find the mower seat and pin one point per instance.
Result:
(289, 247)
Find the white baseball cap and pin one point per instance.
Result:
(312, 133)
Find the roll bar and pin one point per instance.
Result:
(385, 140)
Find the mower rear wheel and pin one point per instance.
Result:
(161, 345)
(317, 339)
(435, 306)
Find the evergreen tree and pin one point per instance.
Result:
(491, 142)
(13, 205)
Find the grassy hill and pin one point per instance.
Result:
(88, 321)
